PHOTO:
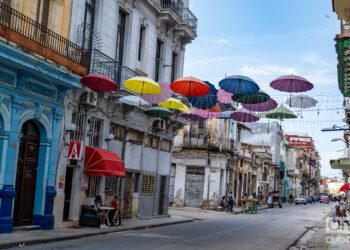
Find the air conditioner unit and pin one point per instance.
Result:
(159, 125)
(89, 98)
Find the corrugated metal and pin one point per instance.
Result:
(146, 205)
(194, 186)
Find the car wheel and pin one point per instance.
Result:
(305, 203)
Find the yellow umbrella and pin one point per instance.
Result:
(173, 103)
(143, 85)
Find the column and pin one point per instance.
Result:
(8, 192)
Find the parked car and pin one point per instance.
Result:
(324, 199)
(308, 199)
(317, 198)
(300, 200)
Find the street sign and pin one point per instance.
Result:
(75, 149)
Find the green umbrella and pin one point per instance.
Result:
(158, 112)
(258, 97)
(279, 113)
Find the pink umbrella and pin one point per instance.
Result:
(207, 114)
(261, 107)
(244, 115)
(162, 97)
(291, 83)
(99, 82)
(224, 97)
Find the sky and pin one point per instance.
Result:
(266, 39)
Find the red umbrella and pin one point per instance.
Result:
(190, 86)
(344, 188)
(99, 82)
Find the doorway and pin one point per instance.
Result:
(67, 192)
(162, 193)
(27, 166)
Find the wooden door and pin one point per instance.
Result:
(67, 192)
(27, 165)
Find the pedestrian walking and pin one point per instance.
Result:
(261, 198)
(290, 198)
(334, 208)
(231, 200)
(269, 202)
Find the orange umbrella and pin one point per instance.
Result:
(190, 86)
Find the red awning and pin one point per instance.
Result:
(102, 162)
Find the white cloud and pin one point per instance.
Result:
(266, 70)
(224, 41)
(313, 58)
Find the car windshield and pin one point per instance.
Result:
(301, 196)
(324, 197)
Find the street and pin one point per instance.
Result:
(275, 229)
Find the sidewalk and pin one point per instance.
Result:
(22, 238)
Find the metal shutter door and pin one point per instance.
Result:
(194, 186)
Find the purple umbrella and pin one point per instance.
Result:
(224, 97)
(244, 115)
(193, 117)
(207, 114)
(261, 107)
(162, 97)
(291, 83)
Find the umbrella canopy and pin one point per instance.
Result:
(225, 115)
(205, 101)
(163, 96)
(224, 97)
(99, 82)
(173, 103)
(261, 107)
(207, 114)
(244, 115)
(291, 83)
(190, 86)
(258, 97)
(280, 113)
(142, 85)
(133, 100)
(345, 188)
(239, 85)
(193, 117)
(158, 112)
(301, 101)
(219, 107)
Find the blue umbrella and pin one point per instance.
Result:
(226, 115)
(239, 85)
(207, 101)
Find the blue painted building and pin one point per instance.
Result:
(31, 98)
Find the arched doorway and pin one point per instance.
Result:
(26, 174)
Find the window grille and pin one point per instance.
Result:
(165, 145)
(118, 131)
(113, 185)
(79, 121)
(95, 131)
(134, 136)
(148, 184)
(94, 186)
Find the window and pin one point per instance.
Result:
(134, 136)
(118, 131)
(151, 141)
(174, 67)
(148, 184)
(94, 185)
(88, 24)
(120, 37)
(165, 145)
(158, 59)
(95, 132)
(79, 121)
(141, 41)
(113, 185)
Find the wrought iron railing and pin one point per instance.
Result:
(29, 28)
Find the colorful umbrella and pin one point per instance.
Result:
(163, 96)
(291, 83)
(258, 97)
(207, 114)
(190, 86)
(244, 115)
(133, 100)
(225, 115)
(261, 107)
(239, 85)
(279, 113)
(224, 97)
(158, 112)
(301, 101)
(205, 101)
(143, 85)
(173, 103)
(99, 82)
(193, 117)
(345, 188)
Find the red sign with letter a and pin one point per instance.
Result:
(74, 151)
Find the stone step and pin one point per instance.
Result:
(26, 228)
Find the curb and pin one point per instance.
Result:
(83, 235)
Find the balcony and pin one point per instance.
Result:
(105, 65)
(31, 35)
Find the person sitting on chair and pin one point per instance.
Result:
(115, 213)
(95, 206)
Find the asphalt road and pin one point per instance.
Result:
(275, 229)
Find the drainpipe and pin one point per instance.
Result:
(208, 162)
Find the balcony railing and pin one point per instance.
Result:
(103, 64)
(27, 33)
(345, 27)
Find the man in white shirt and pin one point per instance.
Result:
(334, 208)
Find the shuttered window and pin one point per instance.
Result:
(151, 141)
(134, 136)
(118, 131)
(148, 184)
(165, 145)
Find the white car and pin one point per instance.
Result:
(300, 200)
